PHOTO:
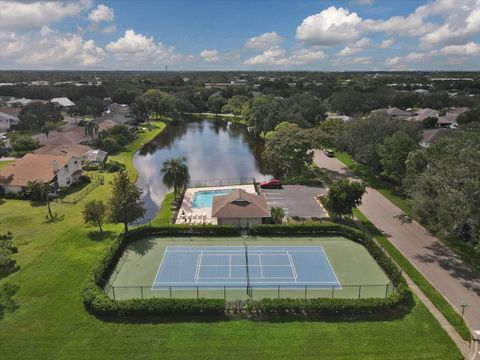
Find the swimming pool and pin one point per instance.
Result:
(204, 199)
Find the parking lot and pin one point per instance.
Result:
(296, 200)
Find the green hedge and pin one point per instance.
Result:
(97, 302)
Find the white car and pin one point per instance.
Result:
(3, 137)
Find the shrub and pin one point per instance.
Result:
(85, 179)
(113, 166)
(96, 301)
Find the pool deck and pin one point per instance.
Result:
(189, 215)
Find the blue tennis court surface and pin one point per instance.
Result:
(268, 266)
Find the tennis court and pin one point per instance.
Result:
(256, 266)
(239, 268)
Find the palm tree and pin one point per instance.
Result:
(91, 129)
(45, 189)
(175, 174)
(277, 214)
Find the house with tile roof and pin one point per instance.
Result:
(59, 170)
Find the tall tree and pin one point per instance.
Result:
(94, 213)
(91, 129)
(343, 196)
(175, 174)
(288, 151)
(125, 204)
(393, 155)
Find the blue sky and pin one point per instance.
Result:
(240, 35)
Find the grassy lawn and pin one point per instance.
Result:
(374, 181)
(4, 164)
(51, 322)
(437, 299)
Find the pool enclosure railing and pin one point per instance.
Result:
(222, 182)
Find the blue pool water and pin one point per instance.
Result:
(203, 199)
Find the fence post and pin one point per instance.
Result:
(386, 290)
(278, 293)
(113, 292)
(333, 290)
(359, 290)
(170, 291)
(306, 286)
(141, 291)
(197, 292)
(225, 293)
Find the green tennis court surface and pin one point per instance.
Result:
(241, 268)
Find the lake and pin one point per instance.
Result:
(214, 150)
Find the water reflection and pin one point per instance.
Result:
(214, 150)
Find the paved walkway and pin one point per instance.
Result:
(443, 269)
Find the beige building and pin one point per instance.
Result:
(59, 170)
(240, 208)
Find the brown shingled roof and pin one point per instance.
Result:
(240, 204)
(68, 149)
(33, 167)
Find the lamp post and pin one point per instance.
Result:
(463, 306)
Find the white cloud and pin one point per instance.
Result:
(360, 60)
(387, 43)
(469, 49)
(101, 13)
(54, 51)
(134, 48)
(268, 57)
(21, 15)
(264, 41)
(332, 26)
(354, 48)
(109, 29)
(277, 56)
(462, 20)
(210, 55)
(364, 2)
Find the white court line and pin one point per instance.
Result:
(159, 267)
(199, 262)
(260, 264)
(244, 265)
(331, 268)
(293, 266)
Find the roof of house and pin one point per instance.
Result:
(105, 123)
(71, 136)
(94, 156)
(65, 149)
(62, 101)
(427, 111)
(432, 135)
(21, 101)
(447, 119)
(458, 111)
(240, 204)
(33, 167)
(393, 111)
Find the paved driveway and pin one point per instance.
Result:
(296, 200)
(445, 270)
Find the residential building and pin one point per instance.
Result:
(392, 111)
(7, 121)
(240, 208)
(432, 135)
(59, 170)
(62, 102)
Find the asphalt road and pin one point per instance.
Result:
(445, 270)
